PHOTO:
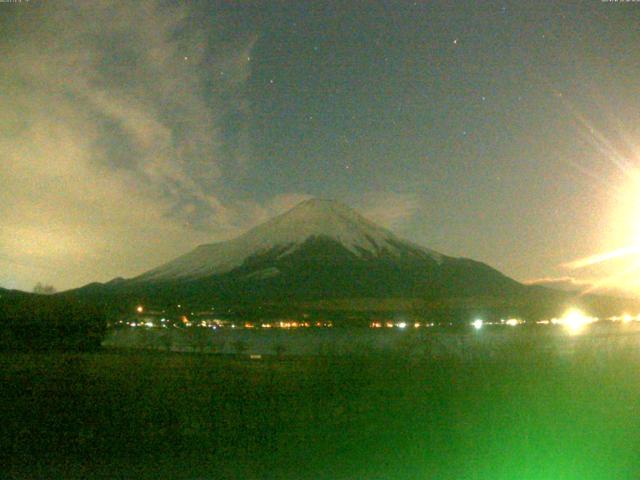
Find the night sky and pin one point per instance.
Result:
(130, 132)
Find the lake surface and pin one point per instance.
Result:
(461, 341)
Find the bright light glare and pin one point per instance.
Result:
(575, 320)
(477, 324)
(624, 235)
(603, 257)
(513, 322)
(140, 309)
(627, 210)
(402, 325)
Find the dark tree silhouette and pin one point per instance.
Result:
(240, 346)
(35, 323)
(43, 289)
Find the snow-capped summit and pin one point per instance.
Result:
(314, 218)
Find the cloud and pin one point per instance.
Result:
(393, 210)
(114, 137)
(567, 284)
(571, 284)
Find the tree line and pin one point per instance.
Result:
(46, 323)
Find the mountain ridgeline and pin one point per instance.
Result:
(322, 256)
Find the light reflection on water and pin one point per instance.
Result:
(461, 342)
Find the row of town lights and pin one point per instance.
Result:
(573, 319)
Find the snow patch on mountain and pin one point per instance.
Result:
(264, 273)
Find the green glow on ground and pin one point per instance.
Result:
(515, 416)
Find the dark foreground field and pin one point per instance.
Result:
(516, 415)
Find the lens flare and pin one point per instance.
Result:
(625, 227)
(574, 321)
(603, 257)
(623, 188)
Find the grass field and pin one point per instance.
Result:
(515, 415)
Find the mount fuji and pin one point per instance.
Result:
(323, 255)
(311, 222)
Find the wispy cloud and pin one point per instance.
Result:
(113, 136)
(565, 283)
(584, 286)
(393, 210)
